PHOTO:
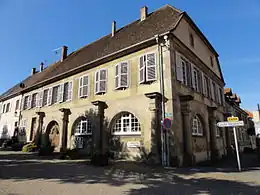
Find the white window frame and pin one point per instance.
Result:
(119, 75)
(81, 125)
(198, 122)
(57, 94)
(36, 99)
(97, 90)
(88, 91)
(43, 97)
(129, 117)
(145, 76)
(185, 72)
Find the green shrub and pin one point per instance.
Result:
(31, 147)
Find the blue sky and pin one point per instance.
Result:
(31, 29)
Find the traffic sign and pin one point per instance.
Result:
(233, 119)
(167, 123)
(230, 124)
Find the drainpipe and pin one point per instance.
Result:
(163, 138)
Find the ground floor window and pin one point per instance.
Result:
(197, 128)
(126, 123)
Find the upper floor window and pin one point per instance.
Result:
(45, 97)
(207, 87)
(3, 109)
(221, 96)
(67, 91)
(84, 86)
(147, 68)
(34, 100)
(55, 93)
(26, 102)
(8, 107)
(197, 80)
(191, 40)
(17, 104)
(211, 61)
(184, 72)
(101, 81)
(197, 128)
(122, 75)
(215, 91)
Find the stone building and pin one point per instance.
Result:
(232, 108)
(129, 80)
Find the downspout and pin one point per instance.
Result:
(163, 155)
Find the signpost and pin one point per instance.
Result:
(233, 122)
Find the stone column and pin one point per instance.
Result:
(38, 140)
(212, 131)
(64, 128)
(99, 143)
(155, 109)
(187, 134)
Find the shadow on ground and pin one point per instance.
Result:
(152, 180)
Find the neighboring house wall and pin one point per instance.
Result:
(256, 116)
(9, 117)
(183, 32)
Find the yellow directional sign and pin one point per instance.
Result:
(232, 119)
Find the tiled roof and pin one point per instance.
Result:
(157, 22)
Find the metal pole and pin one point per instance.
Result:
(238, 160)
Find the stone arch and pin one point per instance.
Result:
(81, 134)
(53, 133)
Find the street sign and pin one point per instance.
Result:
(233, 119)
(167, 123)
(230, 124)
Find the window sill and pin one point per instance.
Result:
(127, 134)
(81, 134)
(197, 135)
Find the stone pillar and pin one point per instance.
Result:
(38, 140)
(187, 134)
(99, 143)
(212, 131)
(155, 109)
(64, 128)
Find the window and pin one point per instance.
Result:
(197, 82)
(127, 123)
(191, 40)
(3, 109)
(122, 77)
(220, 96)
(197, 126)
(17, 105)
(34, 100)
(83, 127)
(215, 92)
(26, 102)
(100, 81)
(8, 107)
(211, 61)
(207, 87)
(84, 86)
(45, 97)
(184, 72)
(147, 68)
(67, 91)
(55, 93)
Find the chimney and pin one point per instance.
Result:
(143, 12)
(33, 71)
(64, 51)
(113, 28)
(41, 67)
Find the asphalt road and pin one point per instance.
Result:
(23, 174)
